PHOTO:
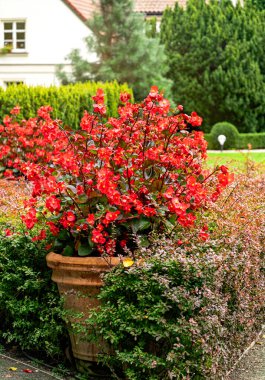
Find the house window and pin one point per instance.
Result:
(15, 35)
(12, 82)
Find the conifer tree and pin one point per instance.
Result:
(259, 4)
(124, 52)
(216, 61)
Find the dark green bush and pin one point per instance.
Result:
(230, 132)
(68, 102)
(30, 313)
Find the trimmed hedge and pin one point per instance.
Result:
(68, 102)
(256, 140)
(227, 129)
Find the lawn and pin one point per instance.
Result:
(234, 159)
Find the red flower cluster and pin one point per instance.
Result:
(113, 178)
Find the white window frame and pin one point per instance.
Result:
(14, 40)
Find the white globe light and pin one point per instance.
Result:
(221, 139)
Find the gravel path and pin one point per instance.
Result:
(252, 365)
(13, 367)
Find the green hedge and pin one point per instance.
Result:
(68, 102)
(257, 141)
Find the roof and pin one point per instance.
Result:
(86, 8)
(83, 8)
(155, 7)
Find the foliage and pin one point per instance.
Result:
(230, 132)
(114, 179)
(68, 102)
(30, 314)
(151, 27)
(244, 141)
(255, 140)
(124, 52)
(258, 4)
(216, 61)
(188, 311)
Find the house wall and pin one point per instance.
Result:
(52, 31)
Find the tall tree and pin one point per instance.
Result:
(259, 4)
(124, 52)
(216, 61)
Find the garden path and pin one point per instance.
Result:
(15, 367)
(252, 365)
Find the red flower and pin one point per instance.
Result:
(53, 203)
(15, 110)
(41, 236)
(8, 232)
(100, 108)
(125, 97)
(53, 228)
(195, 120)
(91, 219)
(30, 218)
(99, 97)
(68, 219)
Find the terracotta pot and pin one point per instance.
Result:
(78, 280)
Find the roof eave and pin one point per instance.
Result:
(76, 11)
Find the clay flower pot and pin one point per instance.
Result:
(79, 281)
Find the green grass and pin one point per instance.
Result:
(234, 159)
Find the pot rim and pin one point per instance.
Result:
(58, 261)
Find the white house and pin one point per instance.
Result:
(37, 35)
(41, 34)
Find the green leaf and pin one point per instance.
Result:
(140, 225)
(63, 235)
(144, 241)
(72, 188)
(84, 250)
(83, 198)
(68, 251)
(200, 178)
(58, 244)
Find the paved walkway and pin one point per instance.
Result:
(14, 367)
(252, 365)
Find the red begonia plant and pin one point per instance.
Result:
(101, 188)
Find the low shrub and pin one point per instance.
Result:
(244, 141)
(255, 140)
(30, 313)
(185, 309)
(230, 132)
(68, 102)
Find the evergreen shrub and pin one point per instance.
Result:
(68, 102)
(230, 132)
(31, 311)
